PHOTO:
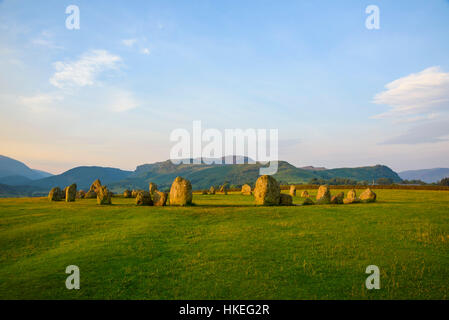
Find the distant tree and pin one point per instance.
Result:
(384, 181)
(444, 182)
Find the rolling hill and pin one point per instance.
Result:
(83, 177)
(426, 175)
(13, 168)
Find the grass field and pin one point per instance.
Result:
(225, 248)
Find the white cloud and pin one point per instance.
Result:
(129, 42)
(39, 102)
(122, 100)
(145, 51)
(424, 93)
(84, 71)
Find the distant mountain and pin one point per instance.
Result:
(203, 176)
(16, 180)
(426, 175)
(11, 167)
(83, 177)
(43, 174)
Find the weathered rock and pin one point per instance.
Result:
(293, 191)
(351, 197)
(134, 193)
(338, 199)
(305, 194)
(307, 202)
(203, 192)
(286, 200)
(80, 194)
(90, 195)
(55, 194)
(95, 186)
(127, 193)
(70, 193)
(212, 190)
(181, 192)
(323, 195)
(103, 195)
(368, 196)
(267, 191)
(246, 190)
(160, 198)
(153, 187)
(224, 189)
(143, 198)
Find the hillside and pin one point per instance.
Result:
(10, 167)
(83, 177)
(426, 175)
(203, 176)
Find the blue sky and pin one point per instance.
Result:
(111, 92)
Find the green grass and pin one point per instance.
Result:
(225, 248)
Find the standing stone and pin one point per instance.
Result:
(80, 194)
(160, 198)
(351, 197)
(305, 194)
(293, 191)
(324, 195)
(246, 190)
(267, 191)
(338, 199)
(55, 194)
(181, 192)
(212, 190)
(127, 193)
(95, 186)
(70, 193)
(224, 189)
(368, 196)
(203, 192)
(153, 187)
(133, 193)
(103, 195)
(143, 198)
(286, 200)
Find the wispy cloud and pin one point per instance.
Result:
(39, 103)
(122, 100)
(129, 42)
(424, 93)
(85, 70)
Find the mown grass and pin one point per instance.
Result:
(225, 248)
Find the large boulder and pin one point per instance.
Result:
(305, 194)
(143, 198)
(267, 191)
(95, 186)
(246, 190)
(55, 194)
(152, 188)
(127, 194)
(212, 190)
(159, 198)
(181, 192)
(323, 195)
(224, 189)
(286, 200)
(351, 197)
(292, 191)
(134, 193)
(70, 193)
(103, 195)
(368, 196)
(338, 199)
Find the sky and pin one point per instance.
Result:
(111, 92)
